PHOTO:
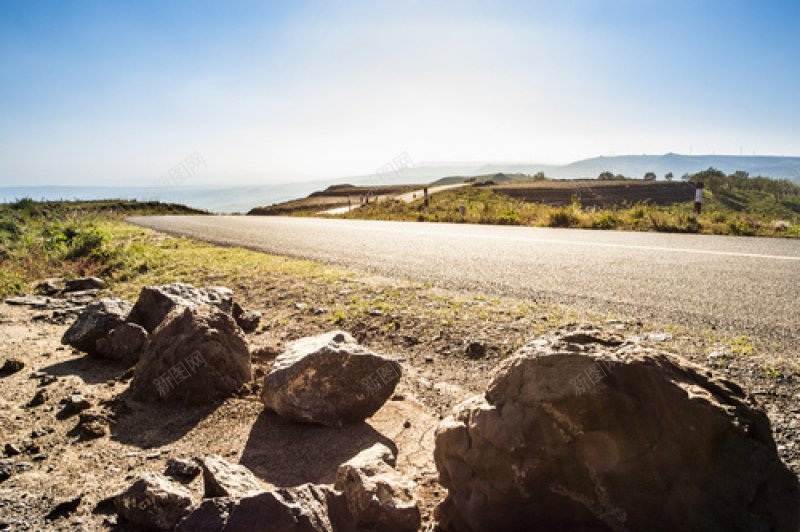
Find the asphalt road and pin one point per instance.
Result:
(744, 285)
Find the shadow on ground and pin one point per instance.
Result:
(284, 453)
(154, 424)
(93, 370)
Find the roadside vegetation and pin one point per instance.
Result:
(734, 204)
(42, 239)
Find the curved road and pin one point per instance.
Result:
(748, 285)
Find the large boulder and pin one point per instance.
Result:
(155, 302)
(153, 502)
(329, 379)
(374, 496)
(95, 322)
(610, 438)
(197, 355)
(123, 343)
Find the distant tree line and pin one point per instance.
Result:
(717, 180)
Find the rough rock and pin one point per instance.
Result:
(12, 449)
(197, 355)
(300, 509)
(41, 397)
(95, 322)
(93, 423)
(182, 469)
(50, 287)
(37, 302)
(610, 438)
(74, 404)
(84, 283)
(329, 379)
(123, 343)
(375, 496)
(209, 516)
(247, 319)
(11, 366)
(155, 302)
(6, 470)
(223, 479)
(154, 502)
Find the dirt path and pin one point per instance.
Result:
(408, 197)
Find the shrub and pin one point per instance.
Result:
(562, 218)
(607, 221)
(741, 227)
(510, 217)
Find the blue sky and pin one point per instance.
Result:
(112, 93)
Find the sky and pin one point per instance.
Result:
(121, 93)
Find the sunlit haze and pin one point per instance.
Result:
(117, 93)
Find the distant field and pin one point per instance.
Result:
(594, 193)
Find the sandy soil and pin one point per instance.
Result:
(57, 465)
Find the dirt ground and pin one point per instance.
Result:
(445, 361)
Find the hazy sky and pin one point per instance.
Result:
(112, 92)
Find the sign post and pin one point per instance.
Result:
(698, 198)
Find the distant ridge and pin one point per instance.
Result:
(245, 197)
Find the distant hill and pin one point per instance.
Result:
(628, 165)
(243, 198)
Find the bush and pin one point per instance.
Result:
(562, 218)
(607, 221)
(10, 283)
(510, 217)
(741, 227)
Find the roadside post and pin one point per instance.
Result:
(698, 198)
(463, 210)
(427, 205)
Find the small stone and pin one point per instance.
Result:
(50, 287)
(12, 449)
(74, 404)
(84, 283)
(182, 469)
(407, 424)
(11, 366)
(246, 319)
(476, 350)
(41, 397)
(93, 424)
(6, 470)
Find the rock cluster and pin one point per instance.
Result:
(586, 434)
(114, 329)
(368, 496)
